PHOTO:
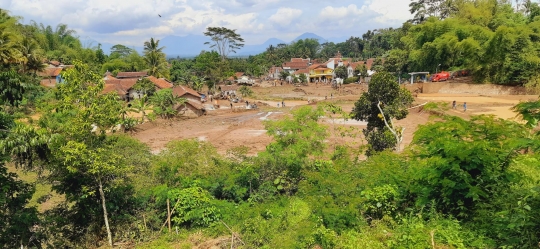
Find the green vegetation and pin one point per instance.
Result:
(461, 184)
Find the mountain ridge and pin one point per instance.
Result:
(192, 45)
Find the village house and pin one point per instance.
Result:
(302, 71)
(129, 75)
(321, 72)
(236, 76)
(50, 75)
(124, 85)
(274, 73)
(295, 64)
(193, 105)
(228, 89)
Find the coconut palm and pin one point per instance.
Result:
(9, 48)
(155, 59)
(32, 55)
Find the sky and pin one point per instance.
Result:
(131, 22)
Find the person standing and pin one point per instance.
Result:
(282, 104)
(231, 105)
(464, 106)
(454, 104)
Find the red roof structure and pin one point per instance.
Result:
(160, 83)
(183, 90)
(50, 72)
(131, 75)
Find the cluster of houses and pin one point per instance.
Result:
(319, 72)
(122, 84)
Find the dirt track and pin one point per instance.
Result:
(226, 128)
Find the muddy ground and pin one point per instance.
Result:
(227, 128)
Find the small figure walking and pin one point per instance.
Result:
(277, 104)
(464, 106)
(331, 96)
(282, 104)
(247, 103)
(454, 104)
(231, 105)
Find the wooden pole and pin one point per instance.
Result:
(169, 215)
(144, 220)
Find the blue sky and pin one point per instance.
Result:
(131, 22)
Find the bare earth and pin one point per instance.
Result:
(227, 128)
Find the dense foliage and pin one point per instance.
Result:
(461, 184)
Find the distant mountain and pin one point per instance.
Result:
(106, 47)
(257, 49)
(310, 36)
(192, 45)
(184, 46)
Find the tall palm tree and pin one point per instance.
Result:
(271, 53)
(9, 47)
(32, 55)
(155, 59)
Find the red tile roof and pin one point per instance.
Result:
(55, 63)
(113, 87)
(183, 90)
(301, 71)
(299, 60)
(161, 83)
(109, 77)
(237, 75)
(316, 66)
(198, 105)
(295, 65)
(131, 74)
(127, 84)
(50, 72)
(369, 62)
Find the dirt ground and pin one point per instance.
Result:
(227, 128)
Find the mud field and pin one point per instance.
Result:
(228, 128)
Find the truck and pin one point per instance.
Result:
(442, 76)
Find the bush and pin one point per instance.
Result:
(350, 80)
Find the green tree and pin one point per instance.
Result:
(155, 59)
(145, 86)
(297, 139)
(245, 91)
(224, 40)
(166, 103)
(384, 101)
(100, 55)
(529, 111)
(12, 88)
(466, 162)
(9, 51)
(303, 78)
(284, 74)
(341, 72)
(120, 51)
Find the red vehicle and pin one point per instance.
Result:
(442, 76)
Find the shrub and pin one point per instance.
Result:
(350, 80)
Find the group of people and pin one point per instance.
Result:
(464, 105)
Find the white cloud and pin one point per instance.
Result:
(284, 16)
(337, 13)
(132, 22)
(392, 11)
